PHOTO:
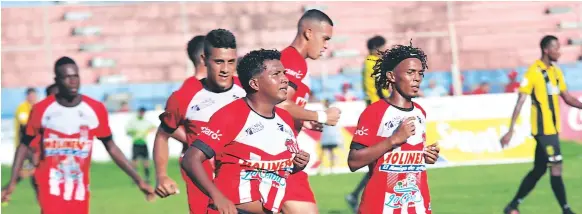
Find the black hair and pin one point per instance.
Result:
(391, 58)
(30, 90)
(65, 60)
(252, 64)
(376, 42)
(49, 89)
(195, 48)
(546, 42)
(218, 38)
(142, 109)
(315, 15)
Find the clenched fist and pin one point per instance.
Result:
(404, 131)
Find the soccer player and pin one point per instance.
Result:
(67, 123)
(375, 45)
(543, 81)
(255, 140)
(314, 30)
(138, 129)
(190, 108)
(52, 89)
(195, 50)
(390, 138)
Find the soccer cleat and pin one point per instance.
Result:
(352, 202)
(510, 210)
(568, 211)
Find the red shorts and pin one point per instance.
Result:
(52, 204)
(197, 200)
(298, 188)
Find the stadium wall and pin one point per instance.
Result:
(467, 128)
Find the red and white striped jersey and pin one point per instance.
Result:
(398, 183)
(66, 142)
(192, 105)
(256, 153)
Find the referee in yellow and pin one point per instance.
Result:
(20, 119)
(543, 81)
(373, 94)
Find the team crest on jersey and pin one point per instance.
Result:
(403, 162)
(292, 146)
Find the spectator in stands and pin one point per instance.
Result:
(513, 85)
(483, 88)
(452, 92)
(194, 49)
(346, 94)
(371, 92)
(124, 107)
(331, 138)
(434, 90)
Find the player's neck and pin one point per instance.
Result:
(212, 86)
(300, 45)
(201, 72)
(68, 101)
(398, 100)
(260, 105)
(546, 60)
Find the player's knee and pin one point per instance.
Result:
(556, 169)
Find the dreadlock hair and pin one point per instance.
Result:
(391, 58)
(253, 64)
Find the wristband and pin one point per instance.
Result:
(321, 117)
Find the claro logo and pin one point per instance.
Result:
(214, 135)
(296, 74)
(575, 118)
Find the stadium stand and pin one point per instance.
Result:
(142, 44)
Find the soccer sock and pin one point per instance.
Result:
(528, 183)
(361, 185)
(559, 190)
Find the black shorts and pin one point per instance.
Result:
(329, 147)
(548, 149)
(140, 151)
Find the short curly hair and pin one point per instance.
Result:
(218, 38)
(252, 64)
(391, 58)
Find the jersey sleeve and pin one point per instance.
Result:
(33, 126)
(103, 131)
(561, 80)
(220, 130)
(527, 84)
(367, 129)
(172, 116)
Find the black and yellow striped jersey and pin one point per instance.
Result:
(369, 83)
(544, 85)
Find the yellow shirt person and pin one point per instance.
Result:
(373, 94)
(22, 113)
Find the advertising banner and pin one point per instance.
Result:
(571, 119)
(467, 128)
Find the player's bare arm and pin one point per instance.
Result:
(329, 117)
(571, 100)
(431, 153)
(165, 185)
(19, 157)
(192, 165)
(520, 100)
(119, 159)
(358, 158)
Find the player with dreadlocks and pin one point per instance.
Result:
(390, 138)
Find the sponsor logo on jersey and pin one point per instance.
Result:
(405, 191)
(283, 128)
(203, 104)
(264, 176)
(301, 102)
(275, 165)
(255, 128)
(67, 146)
(402, 162)
(363, 131)
(213, 135)
(293, 73)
